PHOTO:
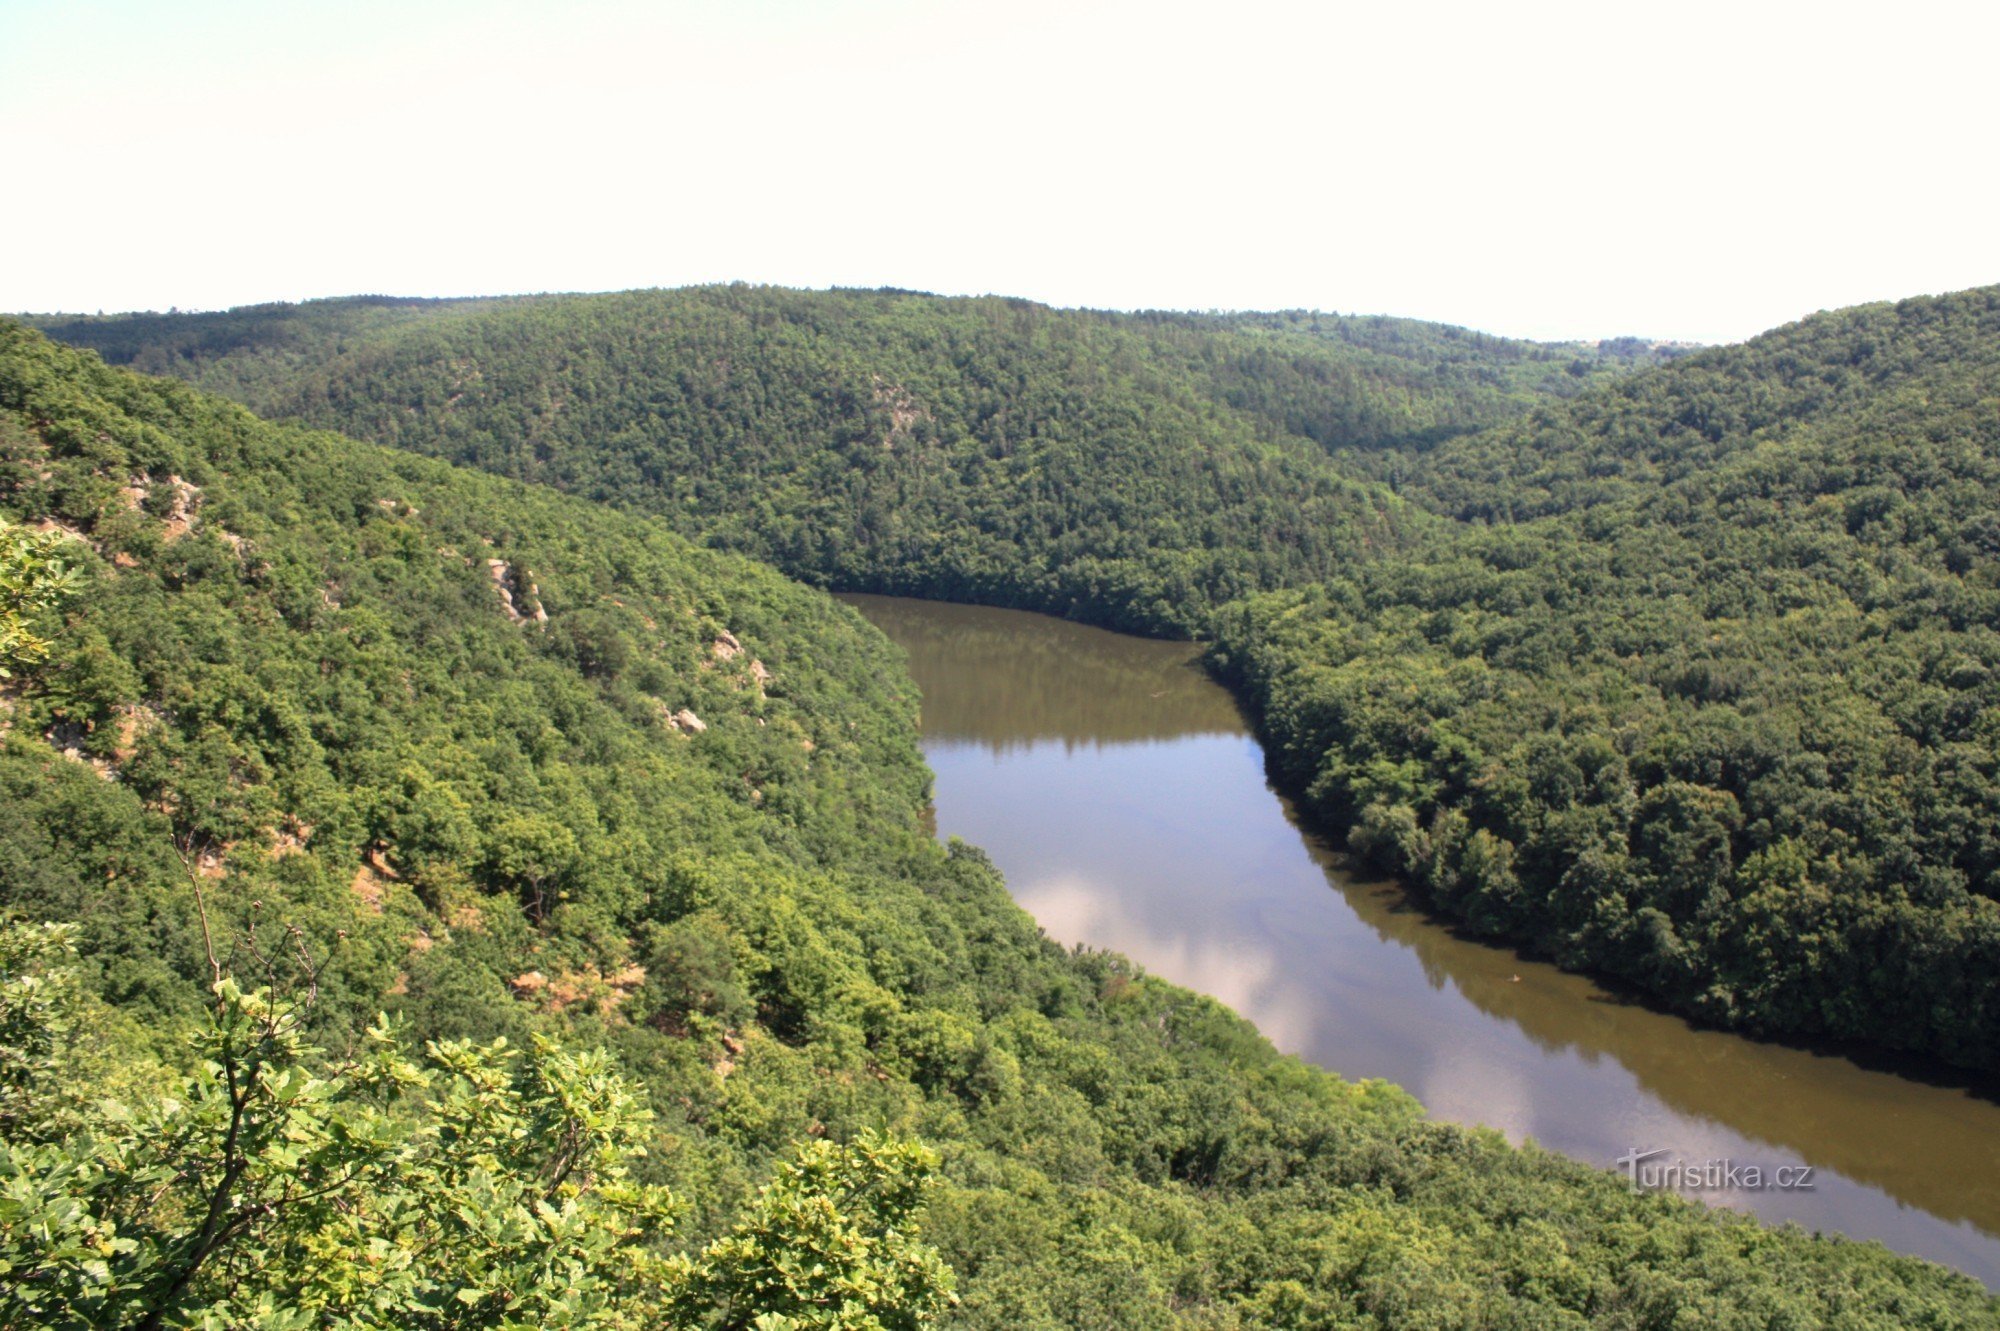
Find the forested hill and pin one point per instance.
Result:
(1134, 470)
(1935, 355)
(1685, 675)
(507, 764)
(1705, 692)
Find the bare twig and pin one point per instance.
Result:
(184, 847)
(306, 963)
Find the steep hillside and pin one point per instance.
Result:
(1130, 470)
(1705, 693)
(511, 764)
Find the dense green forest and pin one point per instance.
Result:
(1702, 689)
(1136, 471)
(359, 732)
(1676, 666)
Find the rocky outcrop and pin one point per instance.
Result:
(181, 512)
(903, 410)
(601, 991)
(519, 596)
(728, 647)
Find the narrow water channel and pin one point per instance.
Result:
(1122, 794)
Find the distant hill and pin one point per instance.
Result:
(1134, 470)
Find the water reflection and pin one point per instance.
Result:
(1051, 680)
(1121, 794)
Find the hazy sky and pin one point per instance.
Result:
(1682, 170)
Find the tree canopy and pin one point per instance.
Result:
(505, 764)
(1675, 665)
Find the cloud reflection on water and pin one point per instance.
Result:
(1158, 837)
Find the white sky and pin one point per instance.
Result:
(1685, 170)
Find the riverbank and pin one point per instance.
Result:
(1125, 798)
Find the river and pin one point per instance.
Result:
(1124, 797)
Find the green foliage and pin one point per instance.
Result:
(1570, 674)
(479, 793)
(692, 983)
(831, 1243)
(376, 1193)
(1129, 470)
(33, 578)
(475, 1188)
(38, 1033)
(1704, 695)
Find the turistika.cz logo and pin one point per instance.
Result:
(1647, 1171)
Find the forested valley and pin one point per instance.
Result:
(1681, 669)
(1676, 666)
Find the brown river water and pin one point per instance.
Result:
(1122, 793)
